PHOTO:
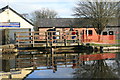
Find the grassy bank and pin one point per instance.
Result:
(105, 45)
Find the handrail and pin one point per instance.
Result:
(49, 37)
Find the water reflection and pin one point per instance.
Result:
(8, 61)
(98, 69)
(74, 65)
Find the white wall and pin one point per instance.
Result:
(13, 17)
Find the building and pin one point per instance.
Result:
(109, 35)
(9, 18)
(11, 22)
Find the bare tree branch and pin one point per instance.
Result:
(98, 12)
(42, 13)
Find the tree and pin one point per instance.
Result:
(40, 14)
(98, 13)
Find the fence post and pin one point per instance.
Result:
(46, 38)
(33, 39)
(18, 40)
(15, 37)
(78, 35)
(65, 39)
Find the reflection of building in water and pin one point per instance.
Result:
(8, 61)
(100, 68)
(97, 56)
(118, 64)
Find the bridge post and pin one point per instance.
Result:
(46, 37)
(18, 39)
(78, 36)
(65, 59)
(15, 37)
(65, 39)
(33, 39)
(52, 56)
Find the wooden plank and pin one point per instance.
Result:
(28, 50)
(24, 43)
(23, 40)
(23, 63)
(65, 60)
(22, 66)
(30, 43)
(30, 40)
(65, 64)
(22, 32)
(56, 39)
(39, 60)
(70, 35)
(25, 56)
(39, 35)
(40, 69)
(24, 60)
(39, 40)
(23, 36)
(38, 65)
(38, 32)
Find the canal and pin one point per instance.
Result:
(34, 65)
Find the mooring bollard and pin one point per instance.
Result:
(10, 76)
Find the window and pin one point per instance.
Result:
(104, 33)
(111, 33)
(90, 32)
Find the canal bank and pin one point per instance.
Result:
(18, 74)
(8, 48)
(12, 48)
(10, 70)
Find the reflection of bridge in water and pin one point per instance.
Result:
(85, 65)
(53, 61)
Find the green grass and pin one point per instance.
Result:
(105, 45)
(118, 41)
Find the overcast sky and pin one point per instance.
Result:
(63, 7)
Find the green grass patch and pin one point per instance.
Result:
(105, 45)
(118, 41)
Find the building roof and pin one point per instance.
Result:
(58, 22)
(7, 7)
(70, 22)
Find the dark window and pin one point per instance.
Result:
(104, 33)
(111, 33)
(90, 32)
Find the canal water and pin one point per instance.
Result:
(64, 66)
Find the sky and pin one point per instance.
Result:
(64, 8)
